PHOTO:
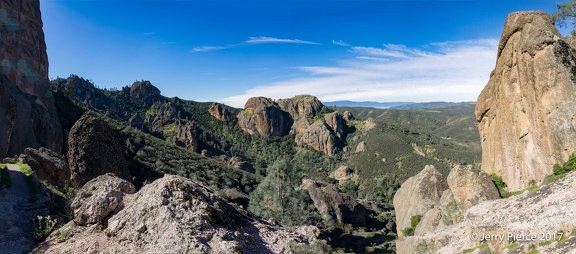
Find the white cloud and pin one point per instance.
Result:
(446, 71)
(340, 43)
(253, 41)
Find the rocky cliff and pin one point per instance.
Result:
(264, 117)
(28, 116)
(526, 111)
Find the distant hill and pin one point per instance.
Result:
(423, 105)
(365, 104)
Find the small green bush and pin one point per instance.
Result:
(501, 185)
(568, 166)
(43, 226)
(414, 220)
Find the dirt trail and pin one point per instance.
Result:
(16, 213)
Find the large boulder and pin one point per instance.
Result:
(143, 93)
(342, 173)
(336, 123)
(301, 108)
(417, 195)
(99, 199)
(335, 207)
(28, 115)
(526, 111)
(171, 215)
(48, 166)
(320, 137)
(262, 116)
(471, 186)
(94, 151)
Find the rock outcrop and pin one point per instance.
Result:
(471, 186)
(417, 195)
(94, 151)
(334, 206)
(99, 199)
(342, 173)
(186, 135)
(48, 166)
(336, 123)
(28, 115)
(543, 213)
(143, 93)
(172, 215)
(526, 111)
(220, 112)
(320, 137)
(262, 116)
(301, 106)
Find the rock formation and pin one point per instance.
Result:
(319, 137)
(301, 106)
(143, 93)
(417, 195)
(28, 116)
(94, 151)
(262, 116)
(220, 112)
(48, 166)
(471, 186)
(342, 173)
(99, 199)
(526, 111)
(186, 135)
(170, 215)
(336, 123)
(334, 206)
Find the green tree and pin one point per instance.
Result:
(566, 14)
(277, 197)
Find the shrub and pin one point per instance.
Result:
(568, 166)
(43, 226)
(501, 185)
(414, 220)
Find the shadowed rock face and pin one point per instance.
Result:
(28, 116)
(94, 151)
(526, 112)
(143, 93)
(219, 112)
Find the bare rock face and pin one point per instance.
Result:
(417, 195)
(94, 151)
(48, 166)
(173, 215)
(333, 205)
(136, 121)
(336, 123)
(143, 93)
(160, 114)
(319, 137)
(348, 116)
(28, 115)
(526, 111)
(342, 173)
(301, 106)
(238, 163)
(186, 135)
(219, 112)
(361, 147)
(471, 186)
(99, 199)
(262, 116)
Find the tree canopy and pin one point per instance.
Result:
(566, 15)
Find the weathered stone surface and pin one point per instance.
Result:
(220, 112)
(186, 135)
(99, 199)
(333, 205)
(238, 163)
(417, 195)
(471, 186)
(301, 106)
(342, 173)
(526, 111)
(143, 93)
(28, 115)
(262, 116)
(348, 116)
(361, 147)
(94, 151)
(48, 166)
(136, 121)
(336, 123)
(319, 137)
(161, 114)
(549, 209)
(175, 215)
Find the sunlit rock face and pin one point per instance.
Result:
(526, 112)
(28, 116)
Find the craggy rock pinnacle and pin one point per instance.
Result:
(526, 112)
(28, 115)
(264, 117)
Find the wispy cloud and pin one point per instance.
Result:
(340, 43)
(149, 33)
(448, 71)
(253, 41)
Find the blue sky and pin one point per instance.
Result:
(230, 50)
